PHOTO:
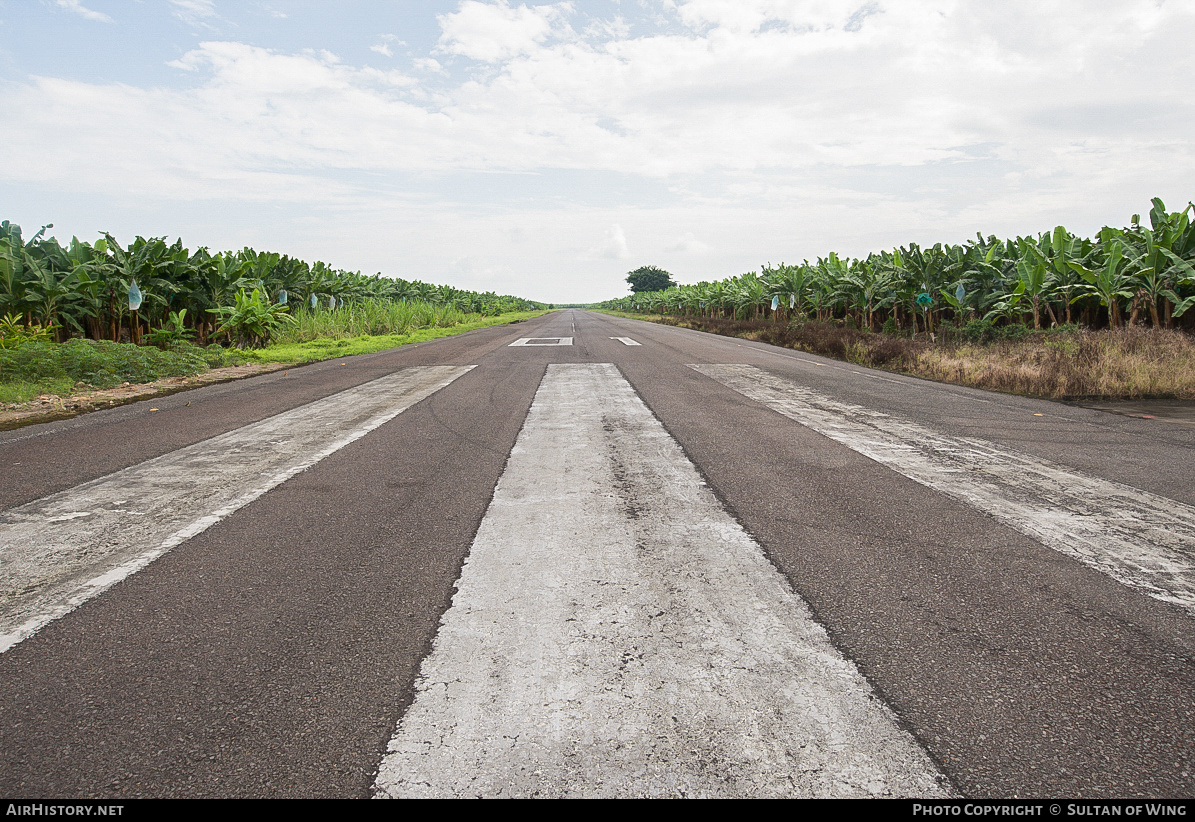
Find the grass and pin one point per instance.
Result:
(40, 368)
(58, 367)
(21, 391)
(370, 318)
(324, 348)
(1129, 363)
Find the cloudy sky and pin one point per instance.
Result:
(545, 149)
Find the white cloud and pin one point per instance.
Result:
(428, 64)
(615, 28)
(753, 15)
(492, 32)
(791, 127)
(913, 86)
(688, 244)
(78, 8)
(613, 247)
(194, 12)
(384, 48)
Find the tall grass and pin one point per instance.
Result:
(372, 318)
(327, 347)
(1127, 363)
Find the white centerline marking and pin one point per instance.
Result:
(616, 633)
(626, 340)
(542, 341)
(64, 549)
(1138, 538)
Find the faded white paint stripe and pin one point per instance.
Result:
(1138, 538)
(616, 633)
(60, 551)
(626, 340)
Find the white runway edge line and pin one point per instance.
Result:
(1138, 538)
(60, 551)
(615, 633)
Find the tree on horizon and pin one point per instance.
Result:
(649, 278)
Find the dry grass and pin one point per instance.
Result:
(1130, 363)
(827, 339)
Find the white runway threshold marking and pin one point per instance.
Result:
(542, 341)
(1141, 539)
(626, 340)
(615, 633)
(64, 549)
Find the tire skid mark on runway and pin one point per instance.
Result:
(616, 633)
(60, 551)
(1138, 538)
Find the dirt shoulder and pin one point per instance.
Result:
(50, 407)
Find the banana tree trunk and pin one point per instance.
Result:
(1050, 311)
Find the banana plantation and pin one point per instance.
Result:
(1139, 275)
(153, 290)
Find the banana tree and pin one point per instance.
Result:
(956, 299)
(1108, 282)
(1031, 273)
(1186, 278)
(48, 292)
(791, 283)
(12, 277)
(1157, 259)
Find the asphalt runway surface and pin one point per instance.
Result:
(615, 559)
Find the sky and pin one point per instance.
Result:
(546, 149)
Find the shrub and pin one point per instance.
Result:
(979, 331)
(1016, 331)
